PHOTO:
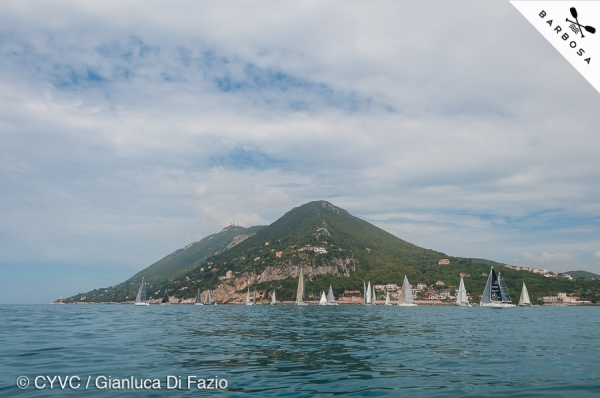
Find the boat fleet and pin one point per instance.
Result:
(495, 295)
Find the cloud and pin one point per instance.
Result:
(551, 261)
(129, 129)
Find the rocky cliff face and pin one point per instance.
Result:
(226, 291)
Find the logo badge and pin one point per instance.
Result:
(570, 26)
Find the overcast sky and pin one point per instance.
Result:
(131, 128)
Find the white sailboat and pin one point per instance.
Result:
(387, 299)
(331, 297)
(368, 294)
(198, 299)
(273, 300)
(524, 300)
(323, 300)
(140, 300)
(208, 299)
(248, 301)
(364, 293)
(495, 294)
(461, 296)
(406, 298)
(165, 299)
(301, 293)
(373, 297)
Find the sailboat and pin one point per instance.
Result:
(461, 296)
(165, 299)
(406, 298)
(248, 301)
(495, 294)
(198, 299)
(208, 299)
(364, 294)
(273, 300)
(373, 297)
(368, 294)
(323, 300)
(387, 299)
(301, 293)
(524, 300)
(141, 296)
(331, 297)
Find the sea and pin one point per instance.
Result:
(289, 351)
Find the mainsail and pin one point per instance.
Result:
(503, 290)
(198, 299)
(387, 299)
(369, 293)
(248, 296)
(524, 300)
(323, 300)
(364, 293)
(273, 301)
(461, 295)
(165, 298)
(373, 297)
(141, 296)
(207, 299)
(254, 298)
(301, 294)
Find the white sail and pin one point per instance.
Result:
(524, 300)
(273, 300)
(369, 293)
(300, 293)
(208, 299)
(141, 296)
(387, 299)
(373, 297)
(364, 293)
(254, 298)
(461, 296)
(323, 300)
(504, 290)
(248, 301)
(331, 297)
(406, 298)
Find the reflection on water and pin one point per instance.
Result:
(303, 351)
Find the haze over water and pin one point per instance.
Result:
(295, 351)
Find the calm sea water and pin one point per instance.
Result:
(305, 351)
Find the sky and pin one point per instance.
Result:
(129, 129)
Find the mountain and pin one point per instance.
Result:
(334, 247)
(171, 266)
(582, 274)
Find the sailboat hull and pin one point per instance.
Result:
(407, 305)
(524, 305)
(141, 304)
(250, 303)
(331, 304)
(301, 303)
(198, 303)
(463, 305)
(497, 305)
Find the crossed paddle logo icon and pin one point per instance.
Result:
(587, 28)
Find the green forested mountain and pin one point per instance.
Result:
(583, 274)
(338, 249)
